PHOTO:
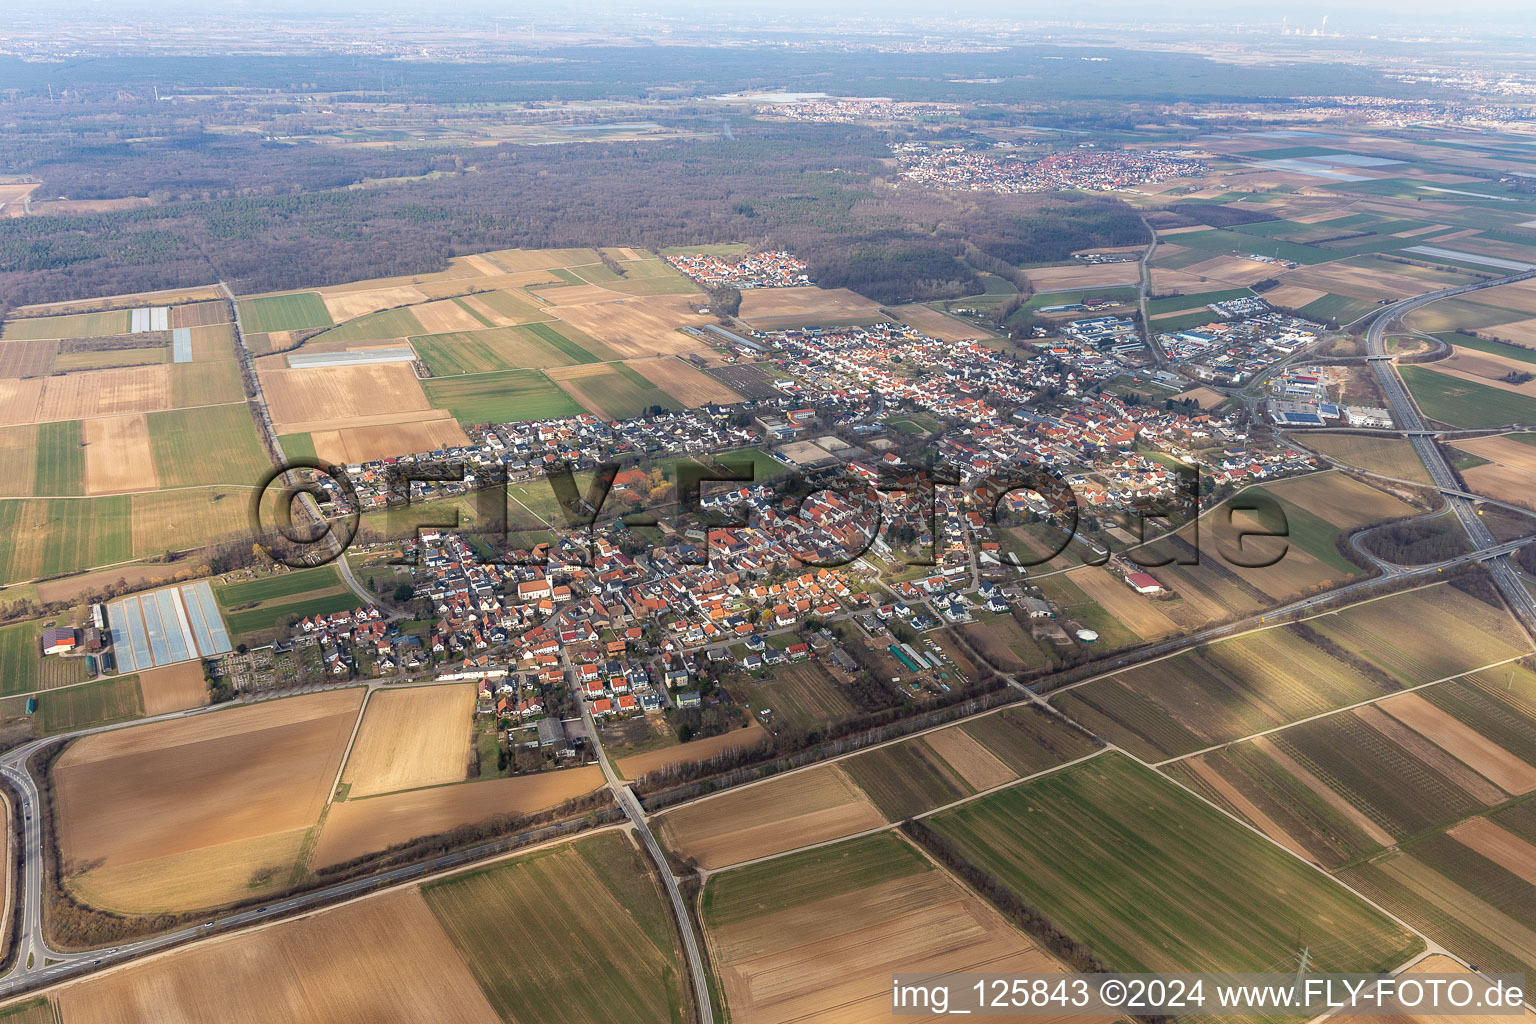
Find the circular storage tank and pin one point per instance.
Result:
(1087, 636)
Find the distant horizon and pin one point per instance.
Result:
(1358, 18)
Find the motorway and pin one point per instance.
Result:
(1408, 420)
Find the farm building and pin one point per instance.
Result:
(1144, 583)
(59, 639)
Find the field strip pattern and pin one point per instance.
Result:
(166, 627)
(385, 354)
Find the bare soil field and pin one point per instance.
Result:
(578, 295)
(1416, 746)
(1520, 295)
(514, 261)
(636, 765)
(1388, 456)
(1139, 614)
(978, 766)
(1504, 483)
(445, 315)
(347, 305)
(1461, 741)
(1451, 368)
(1292, 296)
(1487, 366)
(938, 325)
(1234, 270)
(807, 807)
(1357, 282)
(377, 960)
(74, 587)
(418, 736)
(1182, 282)
(117, 455)
(85, 395)
(1088, 275)
(638, 326)
(340, 395)
(1519, 332)
(684, 382)
(209, 876)
(1503, 449)
(830, 960)
(768, 303)
(357, 827)
(578, 371)
(1203, 397)
(1343, 501)
(173, 688)
(153, 791)
(1435, 963)
(1505, 849)
(362, 444)
(200, 314)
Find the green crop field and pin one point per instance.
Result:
(1389, 456)
(1028, 739)
(1459, 314)
(529, 346)
(114, 699)
(216, 382)
(381, 326)
(254, 607)
(1495, 348)
(809, 877)
(324, 579)
(1453, 632)
(298, 446)
(512, 305)
(1220, 693)
(75, 325)
(37, 1011)
(284, 313)
(1463, 403)
(211, 444)
(1218, 240)
(262, 621)
(463, 352)
(506, 397)
(1183, 322)
(60, 459)
(1151, 879)
(472, 311)
(621, 394)
(641, 277)
(56, 535)
(1338, 308)
(592, 937)
(1176, 303)
(24, 669)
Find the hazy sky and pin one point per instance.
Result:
(1356, 16)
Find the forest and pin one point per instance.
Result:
(817, 190)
